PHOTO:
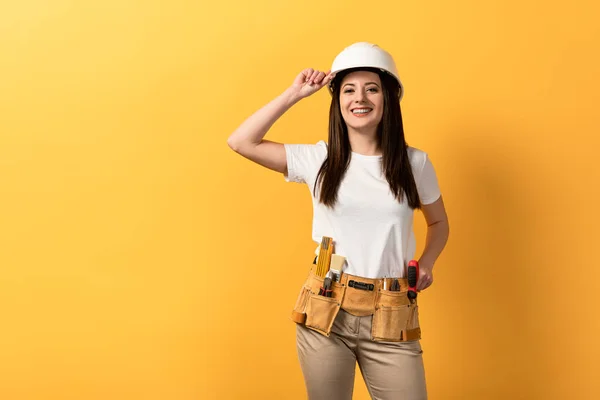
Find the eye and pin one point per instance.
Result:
(374, 89)
(348, 90)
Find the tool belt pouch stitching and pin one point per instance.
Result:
(315, 311)
(321, 312)
(394, 319)
(359, 302)
(311, 285)
(413, 329)
(299, 311)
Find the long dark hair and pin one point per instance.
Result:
(390, 134)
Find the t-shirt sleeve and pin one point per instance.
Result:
(304, 161)
(428, 187)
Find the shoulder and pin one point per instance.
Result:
(321, 147)
(417, 157)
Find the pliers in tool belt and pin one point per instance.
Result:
(326, 289)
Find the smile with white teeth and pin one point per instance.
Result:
(361, 111)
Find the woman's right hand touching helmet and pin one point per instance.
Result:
(310, 81)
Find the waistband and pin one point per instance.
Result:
(376, 283)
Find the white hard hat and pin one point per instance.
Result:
(363, 54)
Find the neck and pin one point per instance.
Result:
(364, 142)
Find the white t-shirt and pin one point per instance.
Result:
(368, 225)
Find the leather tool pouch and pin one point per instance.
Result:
(315, 311)
(360, 298)
(395, 319)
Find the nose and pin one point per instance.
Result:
(360, 96)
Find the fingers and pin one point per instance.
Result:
(307, 74)
(328, 78)
(318, 77)
(313, 77)
(310, 81)
(424, 282)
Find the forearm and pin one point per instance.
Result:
(437, 236)
(253, 129)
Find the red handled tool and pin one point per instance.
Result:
(413, 277)
(326, 289)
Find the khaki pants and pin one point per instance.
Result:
(391, 370)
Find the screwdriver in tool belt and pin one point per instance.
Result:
(413, 276)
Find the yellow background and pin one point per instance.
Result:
(141, 258)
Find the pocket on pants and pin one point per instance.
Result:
(321, 312)
(389, 323)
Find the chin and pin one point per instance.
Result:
(366, 124)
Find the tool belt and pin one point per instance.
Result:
(395, 316)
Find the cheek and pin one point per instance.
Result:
(345, 108)
(380, 106)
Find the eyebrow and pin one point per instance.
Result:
(368, 83)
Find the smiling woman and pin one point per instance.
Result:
(365, 184)
(361, 103)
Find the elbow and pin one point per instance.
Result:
(446, 230)
(445, 226)
(232, 144)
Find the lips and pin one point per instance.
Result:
(361, 112)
